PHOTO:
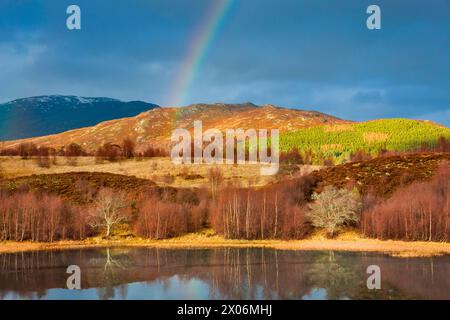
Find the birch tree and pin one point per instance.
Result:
(109, 211)
(334, 208)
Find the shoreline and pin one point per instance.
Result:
(205, 241)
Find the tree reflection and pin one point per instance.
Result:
(226, 273)
(340, 274)
(113, 274)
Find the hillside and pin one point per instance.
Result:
(326, 136)
(381, 176)
(154, 127)
(338, 141)
(79, 186)
(44, 115)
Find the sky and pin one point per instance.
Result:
(315, 55)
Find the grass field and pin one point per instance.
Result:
(338, 141)
(160, 170)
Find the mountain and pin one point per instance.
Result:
(44, 115)
(154, 127)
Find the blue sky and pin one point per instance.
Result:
(305, 54)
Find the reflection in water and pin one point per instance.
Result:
(131, 273)
(111, 274)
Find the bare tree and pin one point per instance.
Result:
(72, 152)
(418, 211)
(266, 213)
(334, 208)
(53, 154)
(215, 179)
(128, 147)
(43, 157)
(108, 151)
(39, 217)
(27, 150)
(109, 211)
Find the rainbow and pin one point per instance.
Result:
(198, 49)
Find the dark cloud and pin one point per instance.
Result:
(307, 54)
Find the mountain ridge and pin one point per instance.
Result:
(51, 114)
(154, 127)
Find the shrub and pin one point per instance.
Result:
(298, 191)
(333, 209)
(360, 155)
(9, 152)
(292, 156)
(328, 161)
(442, 145)
(168, 179)
(290, 162)
(152, 152)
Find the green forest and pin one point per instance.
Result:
(339, 141)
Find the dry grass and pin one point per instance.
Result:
(160, 170)
(372, 137)
(338, 128)
(332, 146)
(348, 241)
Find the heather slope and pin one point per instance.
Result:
(382, 176)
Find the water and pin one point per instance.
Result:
(141, 273)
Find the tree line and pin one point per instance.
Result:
(47, 156)
(290, 209)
